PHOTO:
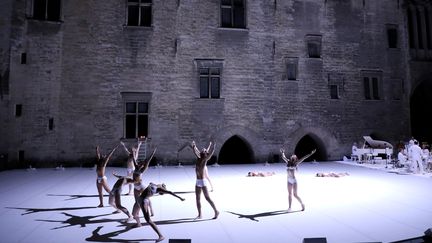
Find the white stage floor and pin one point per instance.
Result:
(369, 205)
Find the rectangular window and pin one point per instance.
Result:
(233, 14)
(21, 157)
(23, 58)
(392, 37)
(209, 82)
(334, 91)
(291, 68)
(372, 86)
(4, 83)
(50, 124)
(47, 10)
(139, 13)
(313, 45)
(18, 110)
(136, 119)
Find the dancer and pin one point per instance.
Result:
(101, 180)
(153, 189)
(415, 153)
(132, 155)
(292, 165)
(206, 174)
(139, 188)
(115, 195)
(200, 186)
(402, 158)
(260, 174)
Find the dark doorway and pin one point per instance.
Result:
(236, 151)
(309, 143)
(421, 118)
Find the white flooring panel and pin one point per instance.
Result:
(369, 205)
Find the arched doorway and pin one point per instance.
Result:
(308, 143)
(236, 151)
(421, 118)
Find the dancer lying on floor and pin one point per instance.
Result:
(260, 174)
(331, 174)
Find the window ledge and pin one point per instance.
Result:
(233, 29)
(137, 28)
(211, 99)
(54, 22)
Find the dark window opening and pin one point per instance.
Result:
(334, 91)
(233, 14)
(18, 110)
(24, 58)
(411, 29)
(392, 37)
(47, 10)
(21, 156)
(139, 13)
(51, 124)
(136, 119)
(419, 30)
(371, 86)
(314, 50)
(209, 83)
(428, 30)
(366, 88)
(292, 71)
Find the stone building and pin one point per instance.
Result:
(251, 75)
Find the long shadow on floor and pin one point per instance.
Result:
(73, 197)
(259, 215)
(38, 210)
(107, 237)
(75, 220)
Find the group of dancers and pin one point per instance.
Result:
(142, 194)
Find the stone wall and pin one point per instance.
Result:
(77, 68)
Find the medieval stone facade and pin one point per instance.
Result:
(251, 75)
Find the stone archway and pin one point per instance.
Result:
(421, 118)
(308, 143)
(236, 151)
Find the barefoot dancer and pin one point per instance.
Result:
(206, 175)
(153, 189)
(139, 187)
(132, 156)
(292, 165)
(101, 181)
(115, 194)
(200, 186)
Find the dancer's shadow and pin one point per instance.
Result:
(259, 215)
(74, 220)
(73, 197)
(38, 210)
(189, 192)
(108, 237)
(178, 221)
